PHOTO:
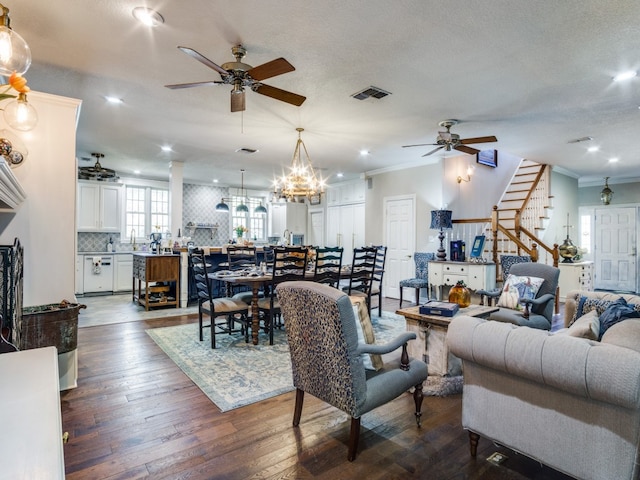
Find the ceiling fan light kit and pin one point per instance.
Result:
(452, 141)
(242, 75)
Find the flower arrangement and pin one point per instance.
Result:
(241, 230)
(18, 83)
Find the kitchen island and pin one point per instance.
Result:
(164, 271)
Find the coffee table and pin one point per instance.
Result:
(431, 343)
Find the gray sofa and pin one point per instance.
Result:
(571, 403)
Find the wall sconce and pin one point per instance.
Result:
(470, 170)
(15, 55)
(606, 194)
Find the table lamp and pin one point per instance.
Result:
(441, 219)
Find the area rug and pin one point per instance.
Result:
(236, 373)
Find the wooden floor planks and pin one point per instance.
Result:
(135, 415)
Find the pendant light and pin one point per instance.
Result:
(242, 208)
(222, 207)
(15, 55)
(606, 194)
(260, 209)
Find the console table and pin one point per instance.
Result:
(575, 276)
(151, 267)
(477, 276)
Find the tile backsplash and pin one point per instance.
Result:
(198, 207)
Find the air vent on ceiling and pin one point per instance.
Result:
(581, 139)
(371, 91)
(246, 151)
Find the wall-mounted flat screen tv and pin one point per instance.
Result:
(488, 157)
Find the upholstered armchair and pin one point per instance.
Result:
(506, 262)
(535, 311)
(421, 279)
(326, 357)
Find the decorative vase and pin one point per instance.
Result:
(567, 251)
(460, 294)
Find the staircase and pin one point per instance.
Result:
(518, 220)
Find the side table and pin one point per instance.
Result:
(431, 342)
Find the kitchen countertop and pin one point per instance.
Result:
(104, 253)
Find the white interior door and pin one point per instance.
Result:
(615, 249)
(400, 239)
(316, 228)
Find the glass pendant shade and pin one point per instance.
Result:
(15, 54)
(20, 115)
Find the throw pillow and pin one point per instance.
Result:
(517, 287)
(616, 312)
(365, 332)
(587, 326)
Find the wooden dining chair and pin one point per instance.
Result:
(377, 279)
(225, 308)
(289, 264)
(328, 265)
(240, 257)
(363, 266)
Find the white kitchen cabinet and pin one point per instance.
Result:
(477, 276)
(346, 193)
(99, 207)
(345, 227)
(80, 274)
(575, 276)
(123, 272)
(288, 216)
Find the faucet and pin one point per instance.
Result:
(133, 239)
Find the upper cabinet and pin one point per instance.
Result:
(99, 207)
(288, 216)
(346, 193)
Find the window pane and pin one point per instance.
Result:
(135, 212)
(585, 233)
(255, 222)
(160, 209)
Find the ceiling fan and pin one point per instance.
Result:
(241, 75)
(449, 141)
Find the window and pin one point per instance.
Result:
(255, 222)
(585, 233)
(145, 209)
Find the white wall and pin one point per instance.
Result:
(45, 222)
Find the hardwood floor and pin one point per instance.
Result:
(136, 415)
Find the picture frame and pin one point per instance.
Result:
(315, 199)
(478, 246)
(488, 158)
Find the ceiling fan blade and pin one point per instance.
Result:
(469, 150)
(278, 94)
(202, 59)
(271, 69)
(419, 145)
(176, 86)
(237, 101)
(433, 151)
(467, 141)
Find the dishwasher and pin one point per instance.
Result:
(98, 273)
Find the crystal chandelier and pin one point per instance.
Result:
(302, 180)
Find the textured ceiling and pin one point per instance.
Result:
(534, 74)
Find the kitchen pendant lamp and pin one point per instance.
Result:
(242, 208)
(222, 207)
(260, 209)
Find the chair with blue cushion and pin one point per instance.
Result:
(326, 357)
(506, 262)
(421, 280)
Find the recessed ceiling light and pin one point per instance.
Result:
(625, 76)
(137, 172)
(614, 160)
(339, 175)
(166, 148)
(147, 16)
(593, 149)
(364, 152)
(114, 100)
(215, 180)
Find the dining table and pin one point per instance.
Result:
(255, 279)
